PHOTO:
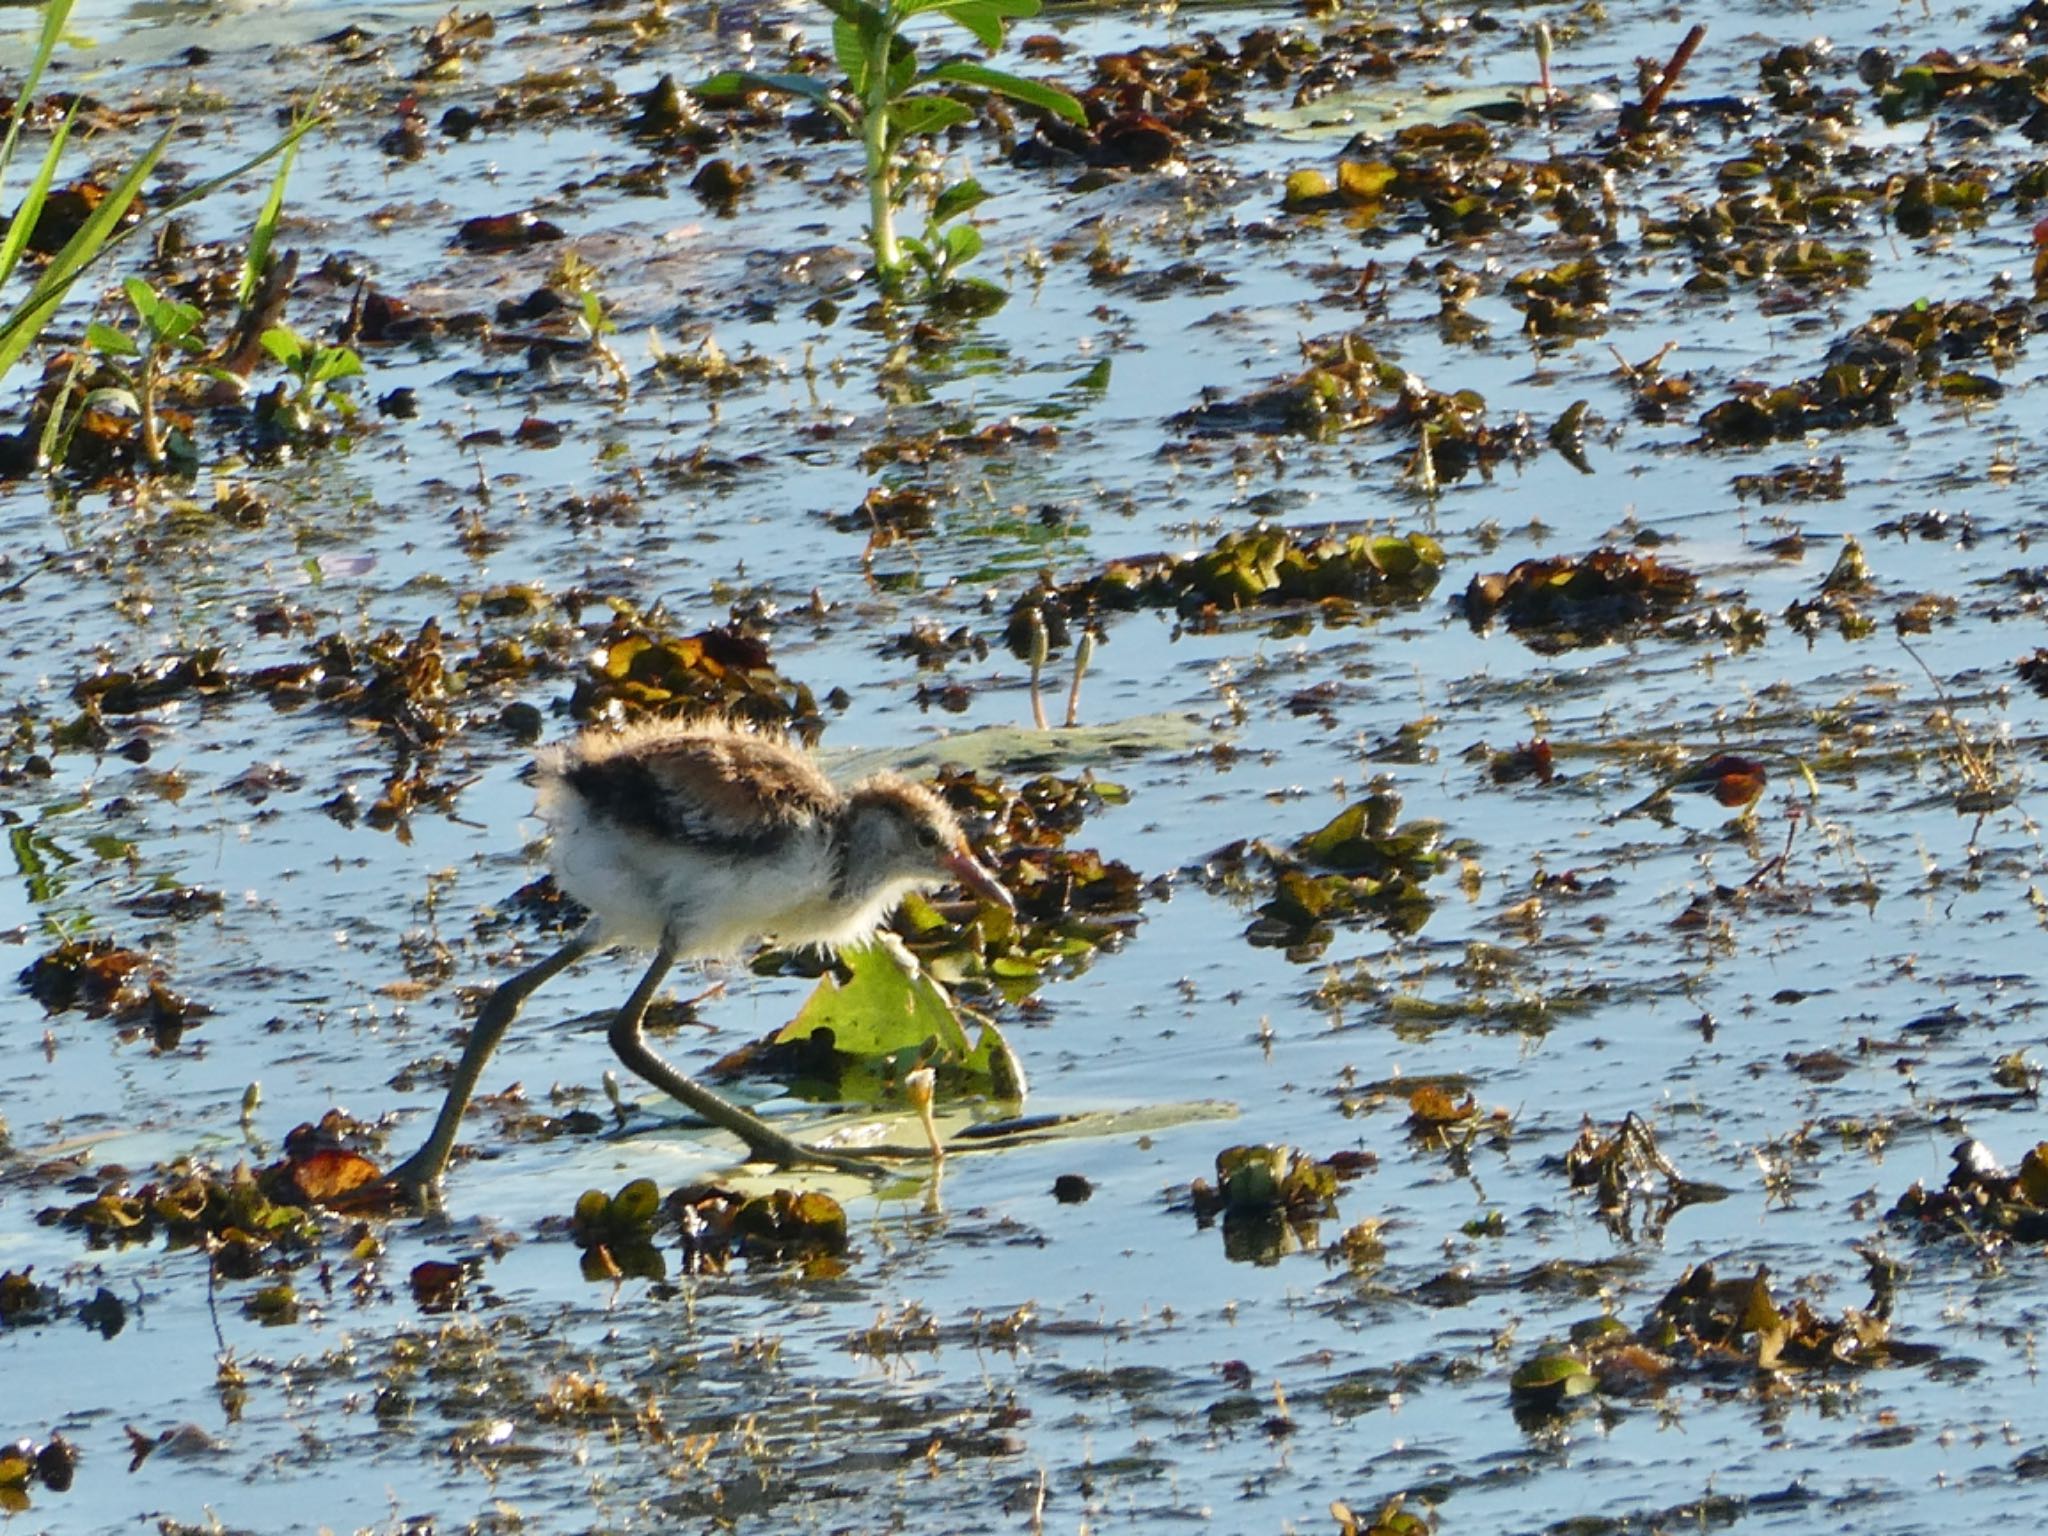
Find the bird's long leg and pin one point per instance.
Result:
(419, 1175)
(763, 1141)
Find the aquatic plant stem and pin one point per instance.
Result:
(1084, 652)
(1041, 647)
(1653, 98)
(152, 432)
(874, 134)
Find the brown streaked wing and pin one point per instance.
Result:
(739, 786)
(704, 786)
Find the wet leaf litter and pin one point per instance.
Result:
(1533, 531)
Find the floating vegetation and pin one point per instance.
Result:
(1072, 903)
(1344, 576)
(635, 672)
(1269, 1199)
(1705, 1323)
(24, 1300)
(713, 1226)
(1364, 864)
(1871, 368)
(1624, 1168)
(1570, 299)
(1982, 1202)
(633, 437)
(243, 1226)
(616, 1232)
(104, 980)
(1811, 481)
(1265, 1181)
(784, 1226)
(25, 1464)
(1562, 602)
(876, 1017)
(1731, 780)
(1349, 386)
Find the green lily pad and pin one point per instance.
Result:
(999, 747)
(890, 1012)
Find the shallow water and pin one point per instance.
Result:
(989, 1346)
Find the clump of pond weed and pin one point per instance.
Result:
(1265, 566)
(1560, 602)
(1707, 1324)
(105, 979)
(1270, 1198)
(1982, 1201)
(1364, 864)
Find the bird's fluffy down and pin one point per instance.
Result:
(712, 836)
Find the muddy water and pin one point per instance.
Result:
(991, 1357)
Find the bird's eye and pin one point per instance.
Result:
(928, 837)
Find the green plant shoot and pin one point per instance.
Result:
(888, 98)
(317, 369)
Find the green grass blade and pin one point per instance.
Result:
(46, 45)
(100, 234)
(265, 232)
(213, 184)
(16, 239)
(19, 329)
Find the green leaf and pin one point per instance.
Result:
(54, 19)
(957, 199)
(882, 1009)
(113, 399)
(902, 66)
(871, 18)
(732, 81)
(911, 116)
(850, 48)
(170, 321)
(1006, 10)
(176, 322)
(284, 344)
(331, 363)
(980, 18)
(963, 244)
(969, 297)
(1033, 93)
(1551, 1378)
(985, 19)
(636, 1203)
(101, 232)
(102, 337)
(143, 298)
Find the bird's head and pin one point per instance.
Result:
(900, 833)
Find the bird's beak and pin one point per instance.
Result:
(976, 876)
